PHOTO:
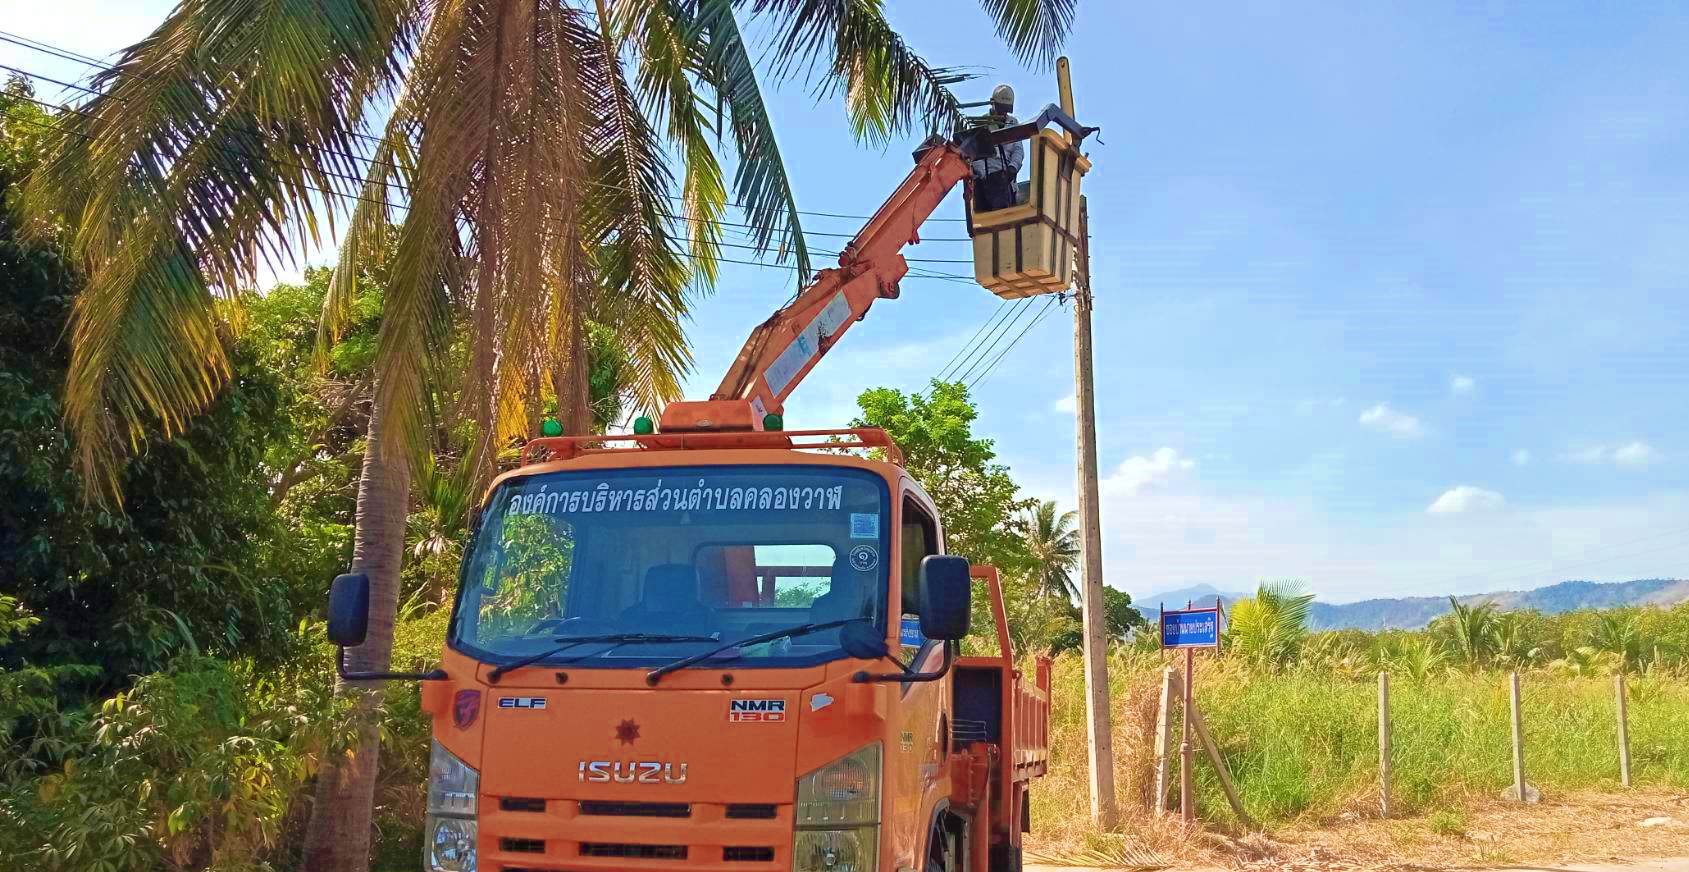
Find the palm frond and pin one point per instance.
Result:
(666, 40)
(643, 278)
(760, 182)
(1033, 29)
(199, 160)
(889, 90)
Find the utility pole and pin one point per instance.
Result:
(1090, 522)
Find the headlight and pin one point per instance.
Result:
(452, 785)
(849, 850)
(450, 827)
(838, 815)
(451, 845)
(844, 792)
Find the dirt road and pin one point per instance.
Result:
(1675, 864)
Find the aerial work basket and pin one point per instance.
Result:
(1027, 249)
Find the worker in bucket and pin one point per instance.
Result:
(995, 173)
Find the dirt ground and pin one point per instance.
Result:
(1595, 830)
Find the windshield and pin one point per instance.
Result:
(704, 552)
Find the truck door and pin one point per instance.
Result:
(916, 760)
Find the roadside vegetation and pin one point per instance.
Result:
(1296, 714)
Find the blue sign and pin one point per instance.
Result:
(1190, 628)
(909, 633)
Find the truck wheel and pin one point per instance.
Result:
(944, 850)
(1006, 858)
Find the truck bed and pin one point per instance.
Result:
(996, 704)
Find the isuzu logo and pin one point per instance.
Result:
(632, 772)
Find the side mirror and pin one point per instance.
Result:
(946, 597)
(862, 640)
(348, 610)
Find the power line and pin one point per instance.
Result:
(982, 350)
(990, 324)
(345, 196)
(1049, 304)
(981, 329)
(64, 54)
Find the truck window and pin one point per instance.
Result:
(719, 552)
(919, 537)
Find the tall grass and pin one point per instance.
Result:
(1304, 744)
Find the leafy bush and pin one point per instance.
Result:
(197, 767)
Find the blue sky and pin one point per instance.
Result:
(1389, 300)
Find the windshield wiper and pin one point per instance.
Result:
(567, 642)
(657, 674)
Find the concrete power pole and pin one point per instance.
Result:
(1090, 522)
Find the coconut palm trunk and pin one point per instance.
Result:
(338, 838)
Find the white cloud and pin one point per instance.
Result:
(1396, 423)
(1522, 457)
(1633, 455)
(1166, 538)
(1465, 498)
(1067, 405)
(1462, 384)
(1138, 471)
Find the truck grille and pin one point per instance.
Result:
(637, 809)
(633, 852)
(533, 834)
(522, 846)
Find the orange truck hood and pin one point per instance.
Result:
(640, 745)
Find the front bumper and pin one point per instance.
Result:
(529, 835)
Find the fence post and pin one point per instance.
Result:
(1384, 744)
(1518, 738)
(1163, 736)
(1624, 730)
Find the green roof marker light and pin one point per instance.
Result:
(773, 421)
(642, 426)
(551, 427)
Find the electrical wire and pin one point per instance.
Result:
(1049, 305)
(65, 54)
(982, 350)
(398, 207)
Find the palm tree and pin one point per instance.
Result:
(1267, 630)
(1473, 630)
(1054, 547)
(522, 161)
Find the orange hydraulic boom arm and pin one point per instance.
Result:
(784, 348)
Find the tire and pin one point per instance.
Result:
(1006, 858)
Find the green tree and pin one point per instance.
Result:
(976, 497)
(1053, 545)
(1120, 616)
(526, 139)
(182, 567)
(1267, 629)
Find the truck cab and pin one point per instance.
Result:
(726, 652)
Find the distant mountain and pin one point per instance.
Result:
(1414, 612)
(1196, 595)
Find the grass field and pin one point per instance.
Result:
(1303, 747)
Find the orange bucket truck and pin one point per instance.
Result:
(716, 644)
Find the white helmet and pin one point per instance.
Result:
(1003, 95)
